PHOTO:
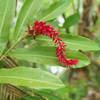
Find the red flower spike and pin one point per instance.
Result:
(41, 28)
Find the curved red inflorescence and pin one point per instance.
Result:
(41, 28)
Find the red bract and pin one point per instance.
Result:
(41, 28)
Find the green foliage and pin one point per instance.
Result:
(27, 14)
(54, 10)
(47, 55)
(50, 96)
(31, 98)
(80, 43)
(42, 49)
(73, 42)
(33, 78)
(6, 12)
(72, 20)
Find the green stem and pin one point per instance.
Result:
(73, 5)
(12, 47)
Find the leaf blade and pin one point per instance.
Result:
(73, 42)
(54, 10)
(27, 13)
(47, 55)
(35, 78)
(6, 12)
(72, 20)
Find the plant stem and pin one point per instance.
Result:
(73, 5)
(12, 47)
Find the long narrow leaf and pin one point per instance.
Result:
(7, 8)
(54, 10)
(27, 13)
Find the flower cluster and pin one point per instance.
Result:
(41, 28)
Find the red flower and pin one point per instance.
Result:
(41, 28)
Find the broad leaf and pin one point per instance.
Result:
(27, 13)
(30, 77)
(7, 8)
(80, 43)
(54, 10)
(73, 42)
(47, 55)
(72, 20)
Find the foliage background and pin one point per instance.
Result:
(38, 76)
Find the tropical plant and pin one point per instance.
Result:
(25, 61)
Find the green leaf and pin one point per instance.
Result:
(7, 8)
(47, 55)
(72, 20)
(54, 10)
(30, 77)
(48, 95)
(73, 42)
(32, 98)
(27, 14)
(63, 92)
(80, 43)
